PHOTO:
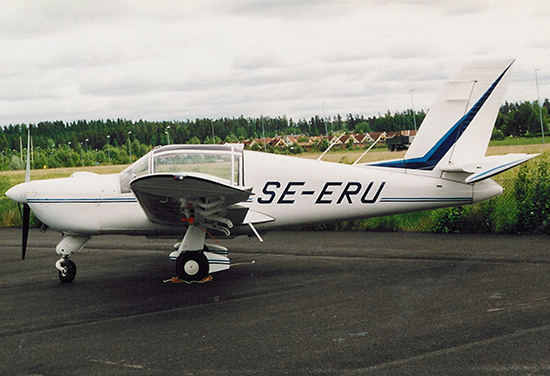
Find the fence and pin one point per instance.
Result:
(505, 214)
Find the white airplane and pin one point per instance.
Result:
(224, 190)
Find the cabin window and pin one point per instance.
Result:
(223, 162)
(222, 165)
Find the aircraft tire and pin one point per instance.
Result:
(192, 266)
(69, 271)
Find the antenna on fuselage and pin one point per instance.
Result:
(330, 146)
(459, 133)
(370, 147)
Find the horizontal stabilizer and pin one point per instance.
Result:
(490, 166)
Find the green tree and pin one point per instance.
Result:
(363, 127)
(16, 163)
(231, 138)
(194, 140)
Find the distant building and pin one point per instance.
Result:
(309, 142)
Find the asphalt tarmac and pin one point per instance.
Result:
(317, 303)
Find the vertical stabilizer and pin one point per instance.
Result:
(459, 125)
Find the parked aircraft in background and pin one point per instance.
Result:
(224, 190)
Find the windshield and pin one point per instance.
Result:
(139, 168)
(221, 161)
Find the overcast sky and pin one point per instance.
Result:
(177, 60)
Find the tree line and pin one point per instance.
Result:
(522, 119)
(60, 144)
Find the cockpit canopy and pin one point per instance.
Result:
(222, 162)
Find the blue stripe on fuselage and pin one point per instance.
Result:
(81, 200)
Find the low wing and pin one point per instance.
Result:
(176, 200)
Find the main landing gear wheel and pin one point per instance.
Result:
(192, 266)
(68, 274)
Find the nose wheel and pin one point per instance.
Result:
(67, 270)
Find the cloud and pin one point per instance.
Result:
(295, 10)
(174, 60)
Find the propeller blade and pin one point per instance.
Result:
(26, 224)
(26, 207)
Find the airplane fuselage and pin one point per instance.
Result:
(289, 190)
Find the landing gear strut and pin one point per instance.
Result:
(66, 247)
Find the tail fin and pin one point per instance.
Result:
(459, 125)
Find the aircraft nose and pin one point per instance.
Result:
(18, 193)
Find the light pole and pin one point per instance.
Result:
(213, 136)
(130, 146)
(326, 129)
(167, 134)
(108, 149)
(540, 109)
(263, 131)
(86, 141)
(414, 114)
